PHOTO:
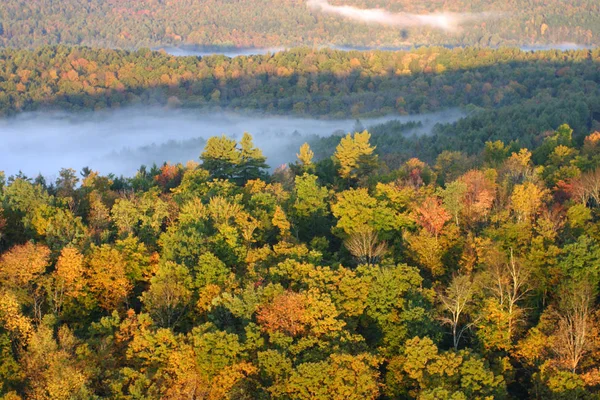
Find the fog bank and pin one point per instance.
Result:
(120, 141)
(203, 51)
(199, 51)
(445, 21)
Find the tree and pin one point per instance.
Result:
(69, 277)
(2, 224)
(478, 197)
(398, 307)
(281, 222)
(526, 200)
(495, 153)
(341, 377)
(106, 276)
(66, 183)
(22, 264)
(573, 336)
(305, 156)
(53, 371)
(357, 211)
(220, 157)
(452, 196)
(455, 301)
(169, 294)
(19, 326)
(310, 208)
(252, 164)
(309, 313)
(365, 246)
(21, 270)
(508, 282)
(432, 216)
(423, 372)
(224, 160)
(287, 313)
(426, 250)
(354, 155)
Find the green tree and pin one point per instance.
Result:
(169, 294)
(220, 157)
(354, 156)
(252, 164)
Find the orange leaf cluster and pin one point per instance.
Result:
(23, 263)
(286, 313)
(432, 215)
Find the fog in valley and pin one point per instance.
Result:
(200, 51)
(120, 141)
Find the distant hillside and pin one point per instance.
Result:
(150, 23)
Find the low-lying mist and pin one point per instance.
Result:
(120, 141)
(232, 52)
(203, 51)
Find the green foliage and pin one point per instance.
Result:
(288, 23)
(356, 211)
(224, 160)
(355, 156)
(225, 281)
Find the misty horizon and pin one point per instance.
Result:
(120, 141)
(448, 22)
(232, 52)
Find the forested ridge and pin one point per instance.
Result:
(463, 264)
(511, 95)
(155, 23)
(336, 279)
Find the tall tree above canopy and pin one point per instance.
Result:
(224, 160)
(220, 156)
(354, 155)
(252, 161)
(305, 156)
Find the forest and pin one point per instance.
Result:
(509, 95)
(333, 279)
(289, 23)
(379, 264)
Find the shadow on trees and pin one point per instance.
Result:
(513, 96)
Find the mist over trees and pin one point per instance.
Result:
(435, 237)
(332, 279)
(135, 24)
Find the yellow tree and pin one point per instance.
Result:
(69, 279)
(341, 377)
(12, 319)
(354, 155)
(281, 222)
(51, 366)
(305, 156)
(106, 275)
(21, 269)
(22, 264)
(527, 200)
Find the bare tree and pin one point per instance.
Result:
(587, 187)
(454, 301)
(366, 247)
(573, 334)
(509, 283)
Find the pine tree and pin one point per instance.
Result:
(252, 161)
(220, 157)
(355, 157)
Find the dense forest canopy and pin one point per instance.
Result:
(154, 23)
(467, 278)
(458, 261)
